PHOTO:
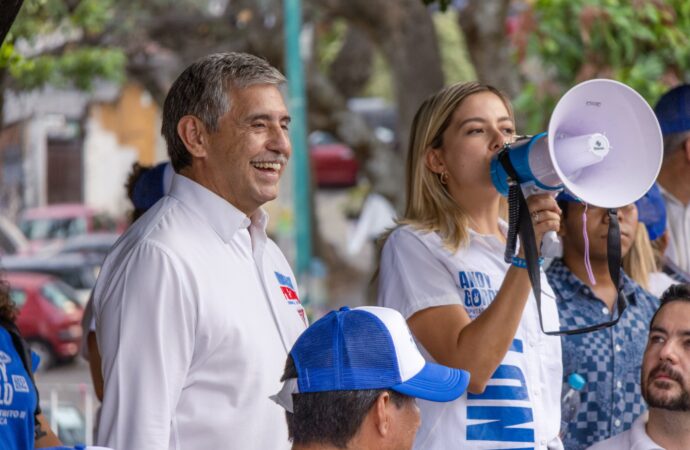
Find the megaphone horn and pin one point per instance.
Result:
(603, 145)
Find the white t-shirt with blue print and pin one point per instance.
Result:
(17, 397)
(520, 407)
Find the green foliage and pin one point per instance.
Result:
(642, 43)
(52, 38)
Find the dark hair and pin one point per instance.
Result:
(137, 170)
(331, 417)
(675, 293)
(202, 91)
(8, 310)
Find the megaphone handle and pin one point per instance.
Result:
(550, 245)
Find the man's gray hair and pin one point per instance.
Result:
(674, 141)
(203, 89)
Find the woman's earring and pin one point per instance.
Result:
(444, 178)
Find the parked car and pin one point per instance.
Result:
(49, 315)
(76, 270)
(12, 240)
(71, 425)
(94, 247)
(333, 163)
(57, 222)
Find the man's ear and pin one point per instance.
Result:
(382, 418)
(434, 161)
(686, 150)
(193, 133)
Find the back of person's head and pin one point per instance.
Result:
(673, 112)
(146, 185)
(202, 90)
(429, 206)
(345, 363)
(8, 310)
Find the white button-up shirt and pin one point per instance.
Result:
(196, 310)
(635, 438)
(678, 225)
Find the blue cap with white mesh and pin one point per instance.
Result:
(673, 110)
(367, 348)
(651, 211)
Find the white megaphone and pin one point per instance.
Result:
(604, 146)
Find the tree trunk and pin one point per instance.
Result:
(351, 69)
(10, 9)
(405, 34)
(483, 24)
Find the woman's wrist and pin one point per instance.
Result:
(520, 262)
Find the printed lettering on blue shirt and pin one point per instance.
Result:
(502, 413)
(477, 291)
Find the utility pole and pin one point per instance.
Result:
(298, 134)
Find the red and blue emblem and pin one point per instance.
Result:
(288, 288)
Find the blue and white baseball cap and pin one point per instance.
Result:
(673, 110)
(651, 210)
(368, 347)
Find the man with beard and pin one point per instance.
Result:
(665, 380)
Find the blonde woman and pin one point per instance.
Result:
(443, 269)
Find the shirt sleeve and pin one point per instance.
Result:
(146, 320)
(35, 361)
(412, 278)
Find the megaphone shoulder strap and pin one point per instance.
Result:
(520, 222)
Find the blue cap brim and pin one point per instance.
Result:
(435, 383)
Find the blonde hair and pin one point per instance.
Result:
(429, 207)
(640, 260)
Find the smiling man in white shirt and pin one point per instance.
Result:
(196, 308)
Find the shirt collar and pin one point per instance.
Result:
(224, 218)
(566, 284)
(670, 198)
(639, 439)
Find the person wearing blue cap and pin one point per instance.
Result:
(443, 268)
(645, 262)
(665, 379)
(22, 423)
(673, 112)
(351, 379)
(196, 307)
(608, 359)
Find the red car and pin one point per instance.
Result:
(58, 222)
(333, 163)
(49, 315)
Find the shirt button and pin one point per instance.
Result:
(617, 422)
(604, 310)
(532, 343)
(619, 384)
(543, 442)
(618, 348)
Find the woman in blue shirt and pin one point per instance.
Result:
(21, 425)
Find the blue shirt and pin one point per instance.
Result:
(608, 359)
(17, 397)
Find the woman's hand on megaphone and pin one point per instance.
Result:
(545, 214)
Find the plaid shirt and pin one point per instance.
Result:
(608, 359)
